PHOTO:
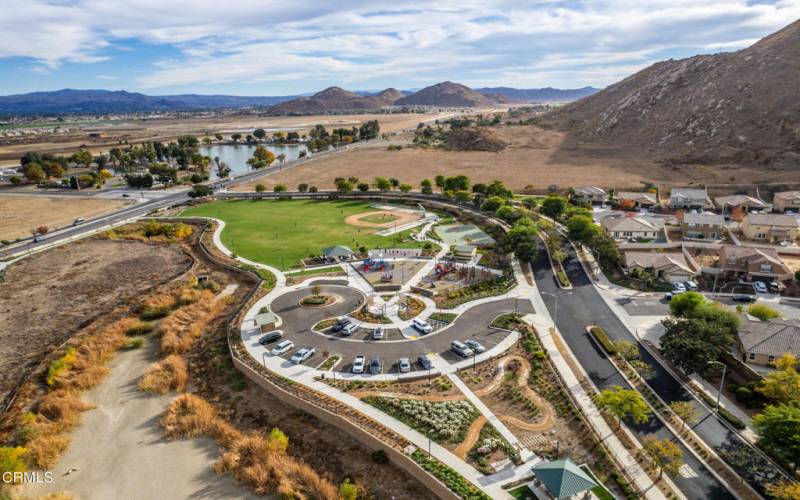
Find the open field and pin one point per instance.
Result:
(135, 131)
(20, 214)
(281, 233)
(48, 297)
(536, 156)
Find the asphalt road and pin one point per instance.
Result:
(583, 306)
(298, 320)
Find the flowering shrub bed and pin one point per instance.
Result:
(444, 421)
(452, 479)
(488, 442)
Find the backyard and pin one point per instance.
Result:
(281, 233)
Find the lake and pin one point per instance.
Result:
(236, 156)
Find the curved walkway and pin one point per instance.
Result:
(471, 437)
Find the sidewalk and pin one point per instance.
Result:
(728, 405)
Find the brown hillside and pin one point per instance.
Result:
(741, 107)
(452, 95)
(333, 99)
(474, 139)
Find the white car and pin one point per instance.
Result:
(760, 286)
(377, 334)
(690, 285)
(461, 349)
(404, 365)
(303, 354)
(349, 329)
(421, 325)
(678, 287)
(281, 348)
(476, 346)
(359, 363)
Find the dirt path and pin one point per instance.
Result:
(471, 438)
(118, 451)
(396, 218)
(403, 395)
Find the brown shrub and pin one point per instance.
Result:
(44, 451)
(62, 408)
(225, 434)
(188, 416)
(88, 370)
(180, 329)
(169, 374)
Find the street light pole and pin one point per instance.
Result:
(721, 381)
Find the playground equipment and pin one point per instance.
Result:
(369, 264)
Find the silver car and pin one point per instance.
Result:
(377, 333)
(404, 365)
(476, 346)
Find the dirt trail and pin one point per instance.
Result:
(403, 395)
(547, 416)
(471, 438)
(396, 218)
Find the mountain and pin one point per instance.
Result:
(547, 94)
(739, 107)
(334, 99)
(452, 95)
(70, 101)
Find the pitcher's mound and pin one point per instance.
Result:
(381, 218)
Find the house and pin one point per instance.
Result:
(637, 200)
(705, 226)
(590, 194)
(771, 228)
(752, 263)
(266, 321)
(563, 478)
(625, 227)
(739, 203)
(763, 342)
(787, 200)
(668, 266)
(689, 199)
(337, 252)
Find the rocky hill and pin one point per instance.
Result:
(546, 94)
(741, 107)
(453, 95)
(474, 139)
(332, 99)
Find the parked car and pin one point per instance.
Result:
(476, 346)
(744, 298)
(358, 364)
(341, 323)
(424, 362)
(670, 295)
(678, 287)
(377, 334)
(375, 365)
(271, 337)
(690, 285)
(760, 286)
(303, 354)
(421, 325)
(126, 195)
(282, 347)
(775, 286)
(461, 349)
(349, 328)
(404, 365)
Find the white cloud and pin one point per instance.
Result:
(303, 45)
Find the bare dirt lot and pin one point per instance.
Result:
(48, 297)
(535, 157)
(20, 214)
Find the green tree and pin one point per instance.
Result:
(259, 134)
(664, 454)
(685, 304)
(405, 188)
(553, 206)
(395, 182)
(34, 173)
(778, 428)
(344, 186)
(279, 188)
(235, 137)
(508, 214)
(521, 239)
(492, 204)
(260, 188)
(278, 441)
(784, 490)
(626, 349)
(382, 184)
(302, 187)
(582, 229)
(686, 411)
(782, 385)
(497, 188)
(363, 187)
(439, 181)
(426, 186)
(457, 183)
(348, 490)
(623, 404)
(82, 157)
(692, 343)
(262, 157)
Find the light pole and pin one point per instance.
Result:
(555, 298)
(721, 381)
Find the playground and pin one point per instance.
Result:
(282, 233)
(388, 272)
(447, 276)
(464, 234)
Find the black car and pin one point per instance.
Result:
(744, 298)
(424, 362)
(271, 337)
(341, 323)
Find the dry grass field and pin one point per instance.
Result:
(536, 156)
(20, 214)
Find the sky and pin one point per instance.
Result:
(267, 47)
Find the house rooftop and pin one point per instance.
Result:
(589, 190)
(635, 195)
(737, 200)
(704, 218)
(779, 220)
(772, 338)
(787, 195)
(337, 251)
(266, 318)
(563, 478)
(660, 261)
(625, 223)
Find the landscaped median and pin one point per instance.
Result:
(452, 479)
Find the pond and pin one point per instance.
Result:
(236, 156)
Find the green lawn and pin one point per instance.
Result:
(281, 233)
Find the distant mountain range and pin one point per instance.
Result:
(738, 107)
(333, 99)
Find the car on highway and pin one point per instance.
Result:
(282, 347)
(421, 325)
(404, 365)
(476, 346)
(375, 365)
(271, 337)
(358, 363)
(78, 221)
(743, 298)
(377, 333)
(341, 323)
(461, 349)
(349, 329)
(760, 286)
(303, 354)
(424, 362)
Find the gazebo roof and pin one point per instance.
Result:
(337, 251)
(563, 478)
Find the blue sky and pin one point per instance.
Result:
(267, 47)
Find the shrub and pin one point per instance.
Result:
(743, 394)
(169, 374)
(61, 365)
(12, 459)
(150, 313)
(132, 344)
(380, 457)
(600, 335)
(348, 490)
(188, 416)
(62, 408)
(43, 452)
(763, 312)
(139, 329)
